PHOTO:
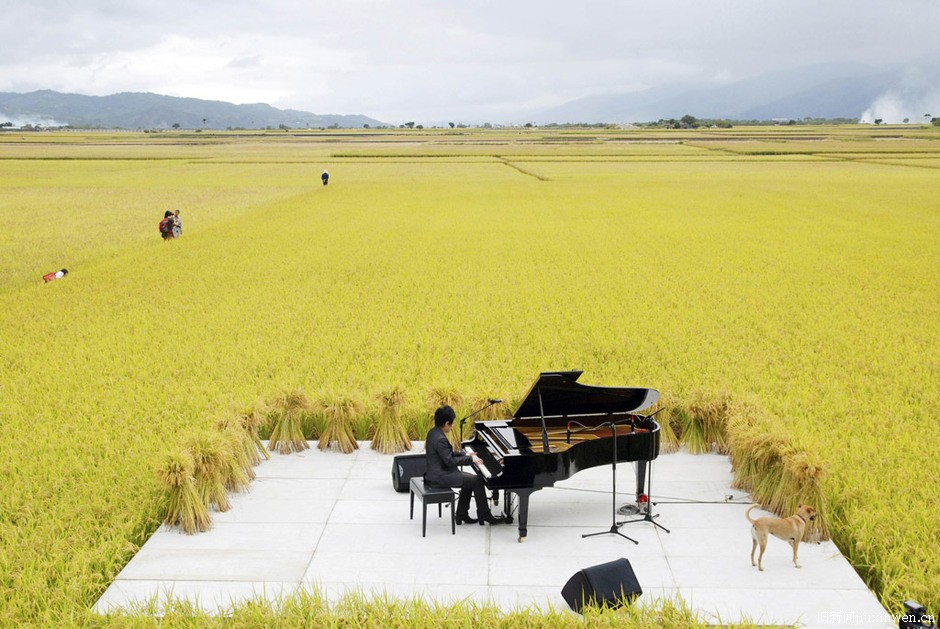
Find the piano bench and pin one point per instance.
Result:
(431, 495)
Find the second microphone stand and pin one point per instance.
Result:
(614, 525)
(648, 516)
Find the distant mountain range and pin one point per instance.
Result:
(137, 110)
(821, 91)
(833, 90)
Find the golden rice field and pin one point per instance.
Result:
(798, 268)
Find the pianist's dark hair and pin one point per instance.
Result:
(443, 415)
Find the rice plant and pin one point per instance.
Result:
(795, 316)
(238, 472)
(338, 413)
(185, 508)
(251, 422)
(774, 488)
(705, 415)
(806, 472)
(391, 432)
(668, 421)
(693, 432)
(288, 410)
(211, 453)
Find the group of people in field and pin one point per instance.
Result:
(171, 226)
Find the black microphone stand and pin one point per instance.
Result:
(614, 525)
(479, 410)
(648, 516)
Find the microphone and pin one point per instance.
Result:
(495, 401)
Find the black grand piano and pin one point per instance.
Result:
(560, 428)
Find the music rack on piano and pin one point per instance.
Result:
(560, 428)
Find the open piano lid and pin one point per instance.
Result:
(563, 395)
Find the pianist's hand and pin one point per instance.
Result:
(476, 459)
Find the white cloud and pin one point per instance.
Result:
(895, 108)
(407, 59)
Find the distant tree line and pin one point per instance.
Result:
(691, 122)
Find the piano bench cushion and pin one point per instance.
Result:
(431, 495)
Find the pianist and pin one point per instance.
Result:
(443, 472)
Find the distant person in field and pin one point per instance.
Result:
(166, 225)
(325, 177)
(55, 275)
(177, 226)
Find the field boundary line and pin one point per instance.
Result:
(522, 170)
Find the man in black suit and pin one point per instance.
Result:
(443, 472)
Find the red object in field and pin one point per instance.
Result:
(48, 277)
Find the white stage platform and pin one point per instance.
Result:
(333, 521)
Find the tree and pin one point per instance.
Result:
(906, 120)
(879, 120)
(689, 121)
(283, 127)
(176, 125)
(928, 118)
(365, 126)
(528, 125)
(452, 125)
(410, 125)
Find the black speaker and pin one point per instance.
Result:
(405, 467)
(607, 584)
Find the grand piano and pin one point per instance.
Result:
(560, 428)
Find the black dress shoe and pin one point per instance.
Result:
(492, 520)
(464, 519)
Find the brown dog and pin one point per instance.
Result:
(789, 530)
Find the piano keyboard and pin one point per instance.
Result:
(491, 465)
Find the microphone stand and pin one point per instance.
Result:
(648, 516)
(614, 525)
(479, 410)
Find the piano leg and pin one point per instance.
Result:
(523, 511)
(640, 478)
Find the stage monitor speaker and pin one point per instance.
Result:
(405, 467)
(607, 585)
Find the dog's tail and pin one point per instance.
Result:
(747, 514)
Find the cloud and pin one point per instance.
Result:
(917, 94)
(245, 62)
(408, 59)
(22, 121)
(894, 107)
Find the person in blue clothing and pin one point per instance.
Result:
(325, 177)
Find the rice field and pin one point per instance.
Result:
(795, 268)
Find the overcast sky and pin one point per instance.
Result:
(433, 61)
